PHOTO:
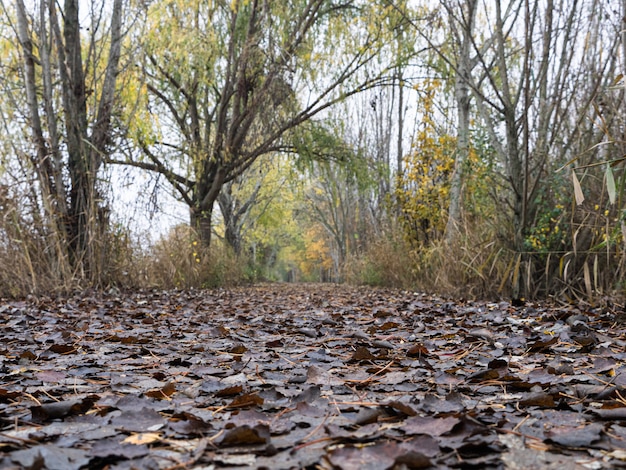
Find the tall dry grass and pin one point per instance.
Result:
(179, 261)
(36, 259)
(387, 261)
(474, 266)
(589, 266)
(35, 263)
(28, 252)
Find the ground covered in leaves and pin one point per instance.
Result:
(309, 376)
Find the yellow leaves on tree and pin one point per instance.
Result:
(317, 256)
(422, 190)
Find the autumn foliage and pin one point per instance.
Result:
(423, 188)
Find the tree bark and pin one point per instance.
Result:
(74, 149)
(463, 101)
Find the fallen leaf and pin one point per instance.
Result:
(142, 438)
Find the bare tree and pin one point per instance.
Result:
(462, 26)
(541, 92)
(333, 203)
(70, 139)
(236, 210)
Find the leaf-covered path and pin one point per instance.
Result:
(308, 376)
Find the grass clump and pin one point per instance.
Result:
(180, 261)
(476, 265)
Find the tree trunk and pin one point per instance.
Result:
(202, 222)
(67, 158)
(75, 108)
(400, 124)
(56, 162)
(463, 101)
(207, 191)
(623, 34)
(231, 216)
(232, 226)
(47, 160)
(233, 238)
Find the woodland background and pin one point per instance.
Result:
(465, 147)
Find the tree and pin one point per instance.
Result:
(540, 72)
(245, 202)
(236, 211)
(70, 92)
(462, 26)
(335, 209)
(229, 82)
(423, 190)
(541, 92)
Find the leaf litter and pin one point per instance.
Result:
(283, 376)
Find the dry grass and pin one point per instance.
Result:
(482, 264)
(25, 267)
(470, 267)
(180, 261)
(34, 264)
(28, 254)
(479, 264)
(386, 262)
(475, 266)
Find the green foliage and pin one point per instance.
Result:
(321, 141)
(549, 233)
(270, 191)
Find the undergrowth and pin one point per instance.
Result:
(474, 266)
(478, 264)
(31, 266)
(481, 263)
(179, 260)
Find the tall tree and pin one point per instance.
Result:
(462, 19)
(69, 81)
(231, 81)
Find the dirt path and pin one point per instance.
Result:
(308, 376)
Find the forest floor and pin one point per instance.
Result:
(283, 376)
